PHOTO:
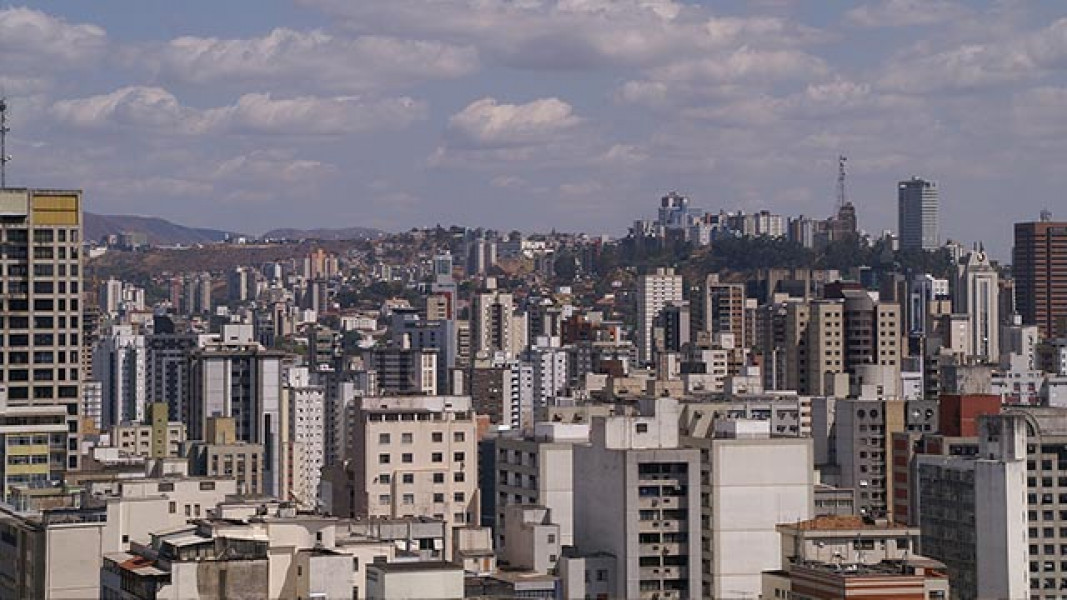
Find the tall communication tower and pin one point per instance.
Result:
(4, 157)
(842, 196)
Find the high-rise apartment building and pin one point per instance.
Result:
(537, 469)
(976, 296)
(305, 450)
(917, 204)
(40, 235)
(493, 324)
(750, 483)
(828, 337)
(972, 512)
(724, 307)
(409, 456)
(1039, 265)
(238, 378)
(654, 292)
(638, 497)
(119, 365)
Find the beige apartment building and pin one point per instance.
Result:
(410, 456)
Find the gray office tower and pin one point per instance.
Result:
(918, 207)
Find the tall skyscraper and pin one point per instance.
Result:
(917, 203)
(976, 296)
(1040, 269)
(40, 232)
(654, 291)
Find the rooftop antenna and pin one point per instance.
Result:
(1046, 215)
(4, 157)
(842, 197)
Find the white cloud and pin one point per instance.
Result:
(906, 13)
(30, 38)
(271, 165)
(314, 60)
(569, 34)
(745, 64)
(486, 123)
(981, 64)
(156, 109)
(624, 155)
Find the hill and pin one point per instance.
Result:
(160, 232)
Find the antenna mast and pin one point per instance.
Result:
(4, 158)
(842, 197)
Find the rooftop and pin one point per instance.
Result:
(408, 567)
(842, 523)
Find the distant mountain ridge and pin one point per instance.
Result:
(161, 232)
(345, 233)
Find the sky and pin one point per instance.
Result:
(575, 115)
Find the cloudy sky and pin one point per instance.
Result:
(534, 114)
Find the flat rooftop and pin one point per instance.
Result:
(843, 523)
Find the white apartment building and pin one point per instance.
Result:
(119, 364)
(306, 404)
(654, 292)
(58, 553)
(638, 499)
(976, 295)
(410, 456)
(750, 482)
(537, 469)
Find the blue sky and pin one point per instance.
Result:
(537, 114)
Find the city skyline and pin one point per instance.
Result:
(386, 116)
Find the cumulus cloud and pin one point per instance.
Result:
(486, 123)
(157, 109)
(271, 165)
(36, 48)
(906, 13)
(31, 38)
(569, 34)
(312, 59)
(981, 64)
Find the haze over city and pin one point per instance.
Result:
(570, 114)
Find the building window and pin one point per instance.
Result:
(437, 457)
(383, 459)
(409, 478)
(438, 498)
(383, 499)
(459, 497)
(406, 438)
(437, 437)
(438, 477)
(458, 436)
(407, 457)
(459, 456)
(383, 438)
(207, 486)
(458, 477)
(642, 428)
(409, 499)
